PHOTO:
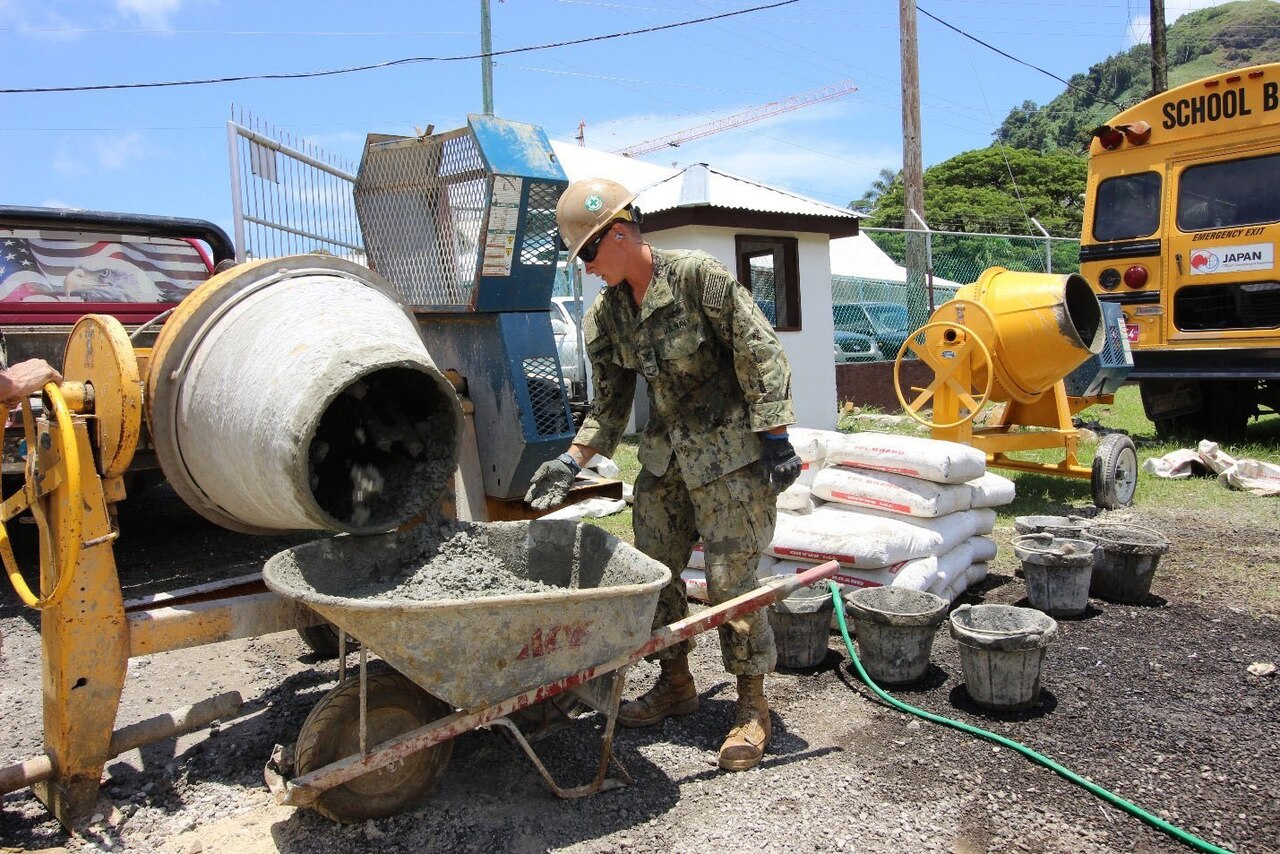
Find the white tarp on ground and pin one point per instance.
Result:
(1255, 476)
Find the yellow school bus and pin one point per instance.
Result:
(1182, 217)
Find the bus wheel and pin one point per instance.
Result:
(1115, 472)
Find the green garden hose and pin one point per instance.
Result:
(1155, 821)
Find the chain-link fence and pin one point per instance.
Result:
(885, 311)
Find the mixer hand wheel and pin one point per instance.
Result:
(43, 489)
(958, 358)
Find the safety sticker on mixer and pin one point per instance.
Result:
(504, 217)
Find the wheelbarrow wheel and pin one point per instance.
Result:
(332, 731)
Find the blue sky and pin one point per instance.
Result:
(164, 150)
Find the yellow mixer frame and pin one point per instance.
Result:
(1010, 338)
(75, 470)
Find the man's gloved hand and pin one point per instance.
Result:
(781, 462)
(551, 482)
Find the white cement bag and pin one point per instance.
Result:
(917, 574)
(796, 498)
(984, 548)
(894, 493)
(914, 456)
(808, 471)
(871, 539)
(975, 573)
(695, 584)
(849, 578)
(697, 557)
(1176, 465)
(810, 445)
(991, 490)
(951, 566)
(588, 508)
(604, 466)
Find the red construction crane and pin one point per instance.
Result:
(755, 114)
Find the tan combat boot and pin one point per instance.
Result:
(751, 728)
(673, 694)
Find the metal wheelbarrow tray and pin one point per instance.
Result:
(486, 657)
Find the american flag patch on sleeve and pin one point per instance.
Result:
(713, 290)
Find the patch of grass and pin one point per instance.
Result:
(625, 457)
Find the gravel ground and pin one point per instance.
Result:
(1154, 702)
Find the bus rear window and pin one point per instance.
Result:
(1127, 207)
(1235, 192)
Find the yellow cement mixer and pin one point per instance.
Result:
(293, 394)
(1042, 345)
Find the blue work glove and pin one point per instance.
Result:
(780, 461)
(551, 482)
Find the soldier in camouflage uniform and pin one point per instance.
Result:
(714, 451)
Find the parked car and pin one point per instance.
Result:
(564, 324)
(856, 347)
(886, 322)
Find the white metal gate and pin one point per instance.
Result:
(288, 196)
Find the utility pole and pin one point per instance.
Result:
(913, 169)
(1159, 59)
(486, 64)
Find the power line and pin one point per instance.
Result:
(1068, 83)
(393, 62)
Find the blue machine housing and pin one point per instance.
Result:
(462, 223)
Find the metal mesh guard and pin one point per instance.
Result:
(541, 234)
(422, 204)
(546, 398)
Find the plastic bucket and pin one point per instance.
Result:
(1124, 561)
(1056, 571)
(1002, 650)
(895, 628)
(801, 626)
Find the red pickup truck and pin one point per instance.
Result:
(57, 265)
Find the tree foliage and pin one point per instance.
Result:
(995, 189)
(1198, 44)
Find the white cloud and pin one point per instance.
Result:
(804, 152)
(58, 203)
(150, 13)
(117, 152)
(106, 154)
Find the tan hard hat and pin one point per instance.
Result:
(589, 205)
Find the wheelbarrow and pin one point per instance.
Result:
(377, 743)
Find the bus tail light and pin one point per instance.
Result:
(1136, 276)
(1137, 133)
(1110, 137)
(1109, 279)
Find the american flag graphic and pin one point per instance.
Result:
(139, 270)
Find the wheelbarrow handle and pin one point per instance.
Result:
(709, 618)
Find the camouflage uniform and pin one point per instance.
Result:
(717, 376)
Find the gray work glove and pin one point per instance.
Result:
(551, 482)
(780, 461)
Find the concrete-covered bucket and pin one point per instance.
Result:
(1002, 649)
(1045, 326)
(296, 394)
(1057, 571)
(895, 628)
(1125, 561)
(801, 624)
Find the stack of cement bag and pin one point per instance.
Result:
(893, 510)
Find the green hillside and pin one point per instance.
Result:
(1198, 44)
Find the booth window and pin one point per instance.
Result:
(770, 268)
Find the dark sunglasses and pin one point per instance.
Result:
(589, 249)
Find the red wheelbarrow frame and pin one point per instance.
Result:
(304, 790)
